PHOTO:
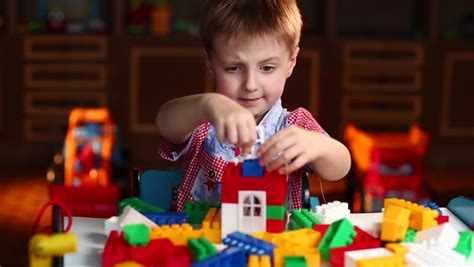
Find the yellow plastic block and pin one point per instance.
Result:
(305, 237)
(129, 264)
(388, 261)
(311, 255)
(211, 226)
(177, 233)
(421, 218)
(397, 249)
(395, 223)
(259, 261)
(276, 239)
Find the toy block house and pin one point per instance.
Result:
(253, 200)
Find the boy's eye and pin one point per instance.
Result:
(267, 68)
(232, 69)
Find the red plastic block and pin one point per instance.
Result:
(322, 228)
(275, 226)
(442, 219)
(88, 201)
(363, 240)
(158, 252)
(273, 183)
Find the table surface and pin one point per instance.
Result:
(91, 236)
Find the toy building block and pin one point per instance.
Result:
(433, 206)
(132, 216)
(340, 233)
(136, 234)
(111, 224)
(162, 218)
(251, 167)
(442, 219)
(373, 257)
(363, 240)
(250, 244)
(129, 264)
(332, 211)
(201, 248)
(311, 255)
(420, 255)
(295, 261)
(395, 223)
(197, 210)
(276, 226)
(211, 225)
(313, 202)
(42, 248)
(259, 261)
(178, 234)
(158, 252)
(420, 217)
(304, 237)
(232, 256)
(139, 205)
(440, 236)
(275, 212)
(410, 235)
(302, 219)
(464, 245)
(276, 239)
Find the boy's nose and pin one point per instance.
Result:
(250, 82)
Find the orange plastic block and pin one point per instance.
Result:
(177, 233)
(311, 255)
(397, 249)
(275, 239)
(395, 223)
(259, 261)
(388, 261)
(211, 226)
(420, 217)
(304, 237)
(129, 264)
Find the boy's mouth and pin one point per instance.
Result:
(248, 101)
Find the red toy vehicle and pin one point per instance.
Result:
(391, 164)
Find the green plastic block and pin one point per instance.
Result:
(276, 212)
(201, 248)
(294, 261)
(340, 233)
(197, 211)
(464, 245)
(139, 205)
(302, 219)
(410, 235)
(136, 234)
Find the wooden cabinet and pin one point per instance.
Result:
(60, 73)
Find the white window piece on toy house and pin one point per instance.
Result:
(252, 211)
(442, 235)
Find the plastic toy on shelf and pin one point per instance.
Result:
(390, 164)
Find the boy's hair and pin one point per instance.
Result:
(242, 19)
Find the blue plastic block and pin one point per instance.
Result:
(230, 257)
(162, 218)
(314, 202)
(433, 206)
(251, 167)
(250, 244)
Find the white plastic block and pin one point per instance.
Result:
(132, 216)
(351, 257)
(442, 235)
(229, 218)
(111, 224)
(332, 211)
(420, 255)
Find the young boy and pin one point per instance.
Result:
(251, 49)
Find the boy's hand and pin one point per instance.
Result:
(233, 123)
(291, 149)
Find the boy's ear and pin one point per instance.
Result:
(209, 65)
(292, 64)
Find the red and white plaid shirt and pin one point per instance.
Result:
(196, 158)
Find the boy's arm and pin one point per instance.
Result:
(177, 119)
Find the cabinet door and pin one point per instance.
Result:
(457, 98)
(159, 74)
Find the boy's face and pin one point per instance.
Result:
(253, 73)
